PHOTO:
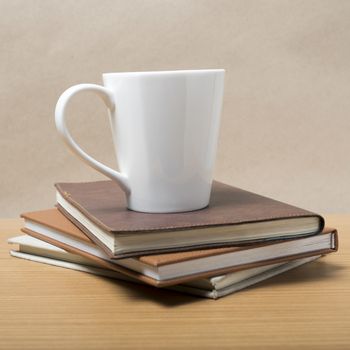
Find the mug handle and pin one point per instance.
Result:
(60, 114)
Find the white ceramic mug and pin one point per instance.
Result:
(165, 128)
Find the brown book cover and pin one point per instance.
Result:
(103, 203)
(53, 219)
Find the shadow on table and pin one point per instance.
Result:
(162, 296)
(311, 272)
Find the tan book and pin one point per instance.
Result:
(233, 217)
(173, 268)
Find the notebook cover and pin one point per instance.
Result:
(103, 202)
(52, 218)
(183, 288)
(178, 280)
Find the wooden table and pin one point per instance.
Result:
(46, 307)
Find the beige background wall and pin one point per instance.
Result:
(285, 126)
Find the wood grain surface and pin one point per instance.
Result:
(46, 307)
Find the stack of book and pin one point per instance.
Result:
(240, 239)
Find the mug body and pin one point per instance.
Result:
(165, 129)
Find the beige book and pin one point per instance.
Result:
(175, 268)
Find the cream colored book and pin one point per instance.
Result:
(33, 249)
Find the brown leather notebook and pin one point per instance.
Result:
(51, 226)
(234, 216)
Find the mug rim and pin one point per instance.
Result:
(161, 72)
